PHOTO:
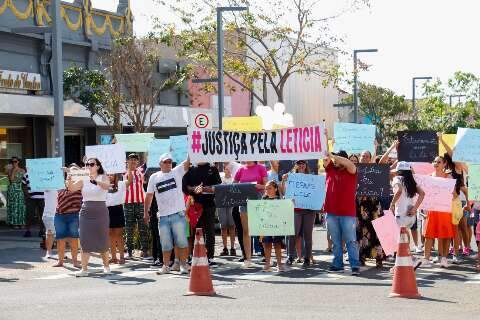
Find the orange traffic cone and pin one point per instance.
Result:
(200, 278)
(404, 281)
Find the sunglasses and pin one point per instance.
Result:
(167, 161)
(91, 164)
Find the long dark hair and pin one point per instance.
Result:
(274, 184)
(449, 161)
(307, 169)
(409, 182)
(99, 165)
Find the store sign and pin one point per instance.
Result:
(20, 80)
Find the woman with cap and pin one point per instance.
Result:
(251, 172)
(94, 219)
(304, 222)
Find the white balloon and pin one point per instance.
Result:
(279, 108)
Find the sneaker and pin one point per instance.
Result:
(444, 263)
(451, 251)
(306, 263)
(436, 260)
(81, 273)
(355, 271)
(247, 264)
(242, 259)
(224, 253)
(175, 266)
(156, 264)
(425, 263)
(164, 270)
(299, 261)
(455, 260)
(233, 252)
(466, 251)
(418, 250)
(333, 269)
(106, 271)
(184, 269)
(290, 261)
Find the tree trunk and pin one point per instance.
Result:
(265, 90)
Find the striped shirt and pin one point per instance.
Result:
(135, 193)
(69, 202)
(33, 195)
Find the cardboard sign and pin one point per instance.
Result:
(354, 138)
(307, 190)
(156, 148)
(111, 156)
(45, 174)
(285, 166)
(424, 168)
(450, 140)
(179, 148)
(135, 142)
(467, 146)
(474, 182)
(270, 218)
(417, 146)
(79, 173)
(388, 232)
(438, 192)
(284, 144)
(245, 124)
(373, 180)
(234, 195)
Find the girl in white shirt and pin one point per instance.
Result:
(115, 200)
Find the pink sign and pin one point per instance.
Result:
(387, 231)
(424, 168)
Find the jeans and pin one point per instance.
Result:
(172, 229)
(343, 228)
(156, 246)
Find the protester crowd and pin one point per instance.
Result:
(101, 213)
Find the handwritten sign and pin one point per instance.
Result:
(450, 140)
(373, 180)
(388, 232)
(45, 174)
(474, 182)
(285, 166)
(253, 123)
(156, 148)
(270, 218)
(111, 156)
(135, 142)
(438, 192)
(78, 173)
(307, 190)
(354, 138)
(284, 144)
(467, 145)
(417, 146)
(234, 195)
(422, 168)
(179, 148)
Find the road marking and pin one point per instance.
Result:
(475, 279)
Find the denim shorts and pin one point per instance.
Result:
(66, 226)
(172, 230)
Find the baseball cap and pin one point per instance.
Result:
(341, 153)
(403, 166)
(165, 156)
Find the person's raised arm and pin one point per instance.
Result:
(349, 165)
(73, 186)
(186, 164)
(384, 158)
(445, 145)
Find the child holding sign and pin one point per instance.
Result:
(272, 193)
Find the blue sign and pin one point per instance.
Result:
(45, 174)
(105, 139)
(179, 148)
(156, 148)
(354, 138)
(467, 145)
(307, 190)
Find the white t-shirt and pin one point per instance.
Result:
(168, 191)
(50, 203)
(117, 198)
(92, 192)
(226, 180)
(404, 202)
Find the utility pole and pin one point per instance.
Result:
(355, 81)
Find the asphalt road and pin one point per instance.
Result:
(32, 289)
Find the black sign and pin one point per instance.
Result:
(285, 166)
(233, 195)
(373, 180)
(417, 146)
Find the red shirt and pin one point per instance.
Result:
(340, 199)
(135, 192)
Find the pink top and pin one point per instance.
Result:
(255, 173)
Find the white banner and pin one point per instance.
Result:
(438, 192)
(283, 144)
(112, 156)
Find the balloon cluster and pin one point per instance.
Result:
(276, 118)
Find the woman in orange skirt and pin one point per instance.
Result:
(438, 224)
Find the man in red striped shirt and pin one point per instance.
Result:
(133, 206)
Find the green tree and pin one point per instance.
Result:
(265, 45)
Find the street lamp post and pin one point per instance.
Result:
(355, 81)
(413, 91)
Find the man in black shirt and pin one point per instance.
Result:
(199, 182)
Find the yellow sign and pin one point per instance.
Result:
(253, 123)
(449, 139)
(20, 80)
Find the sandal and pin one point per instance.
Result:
(58, 264)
